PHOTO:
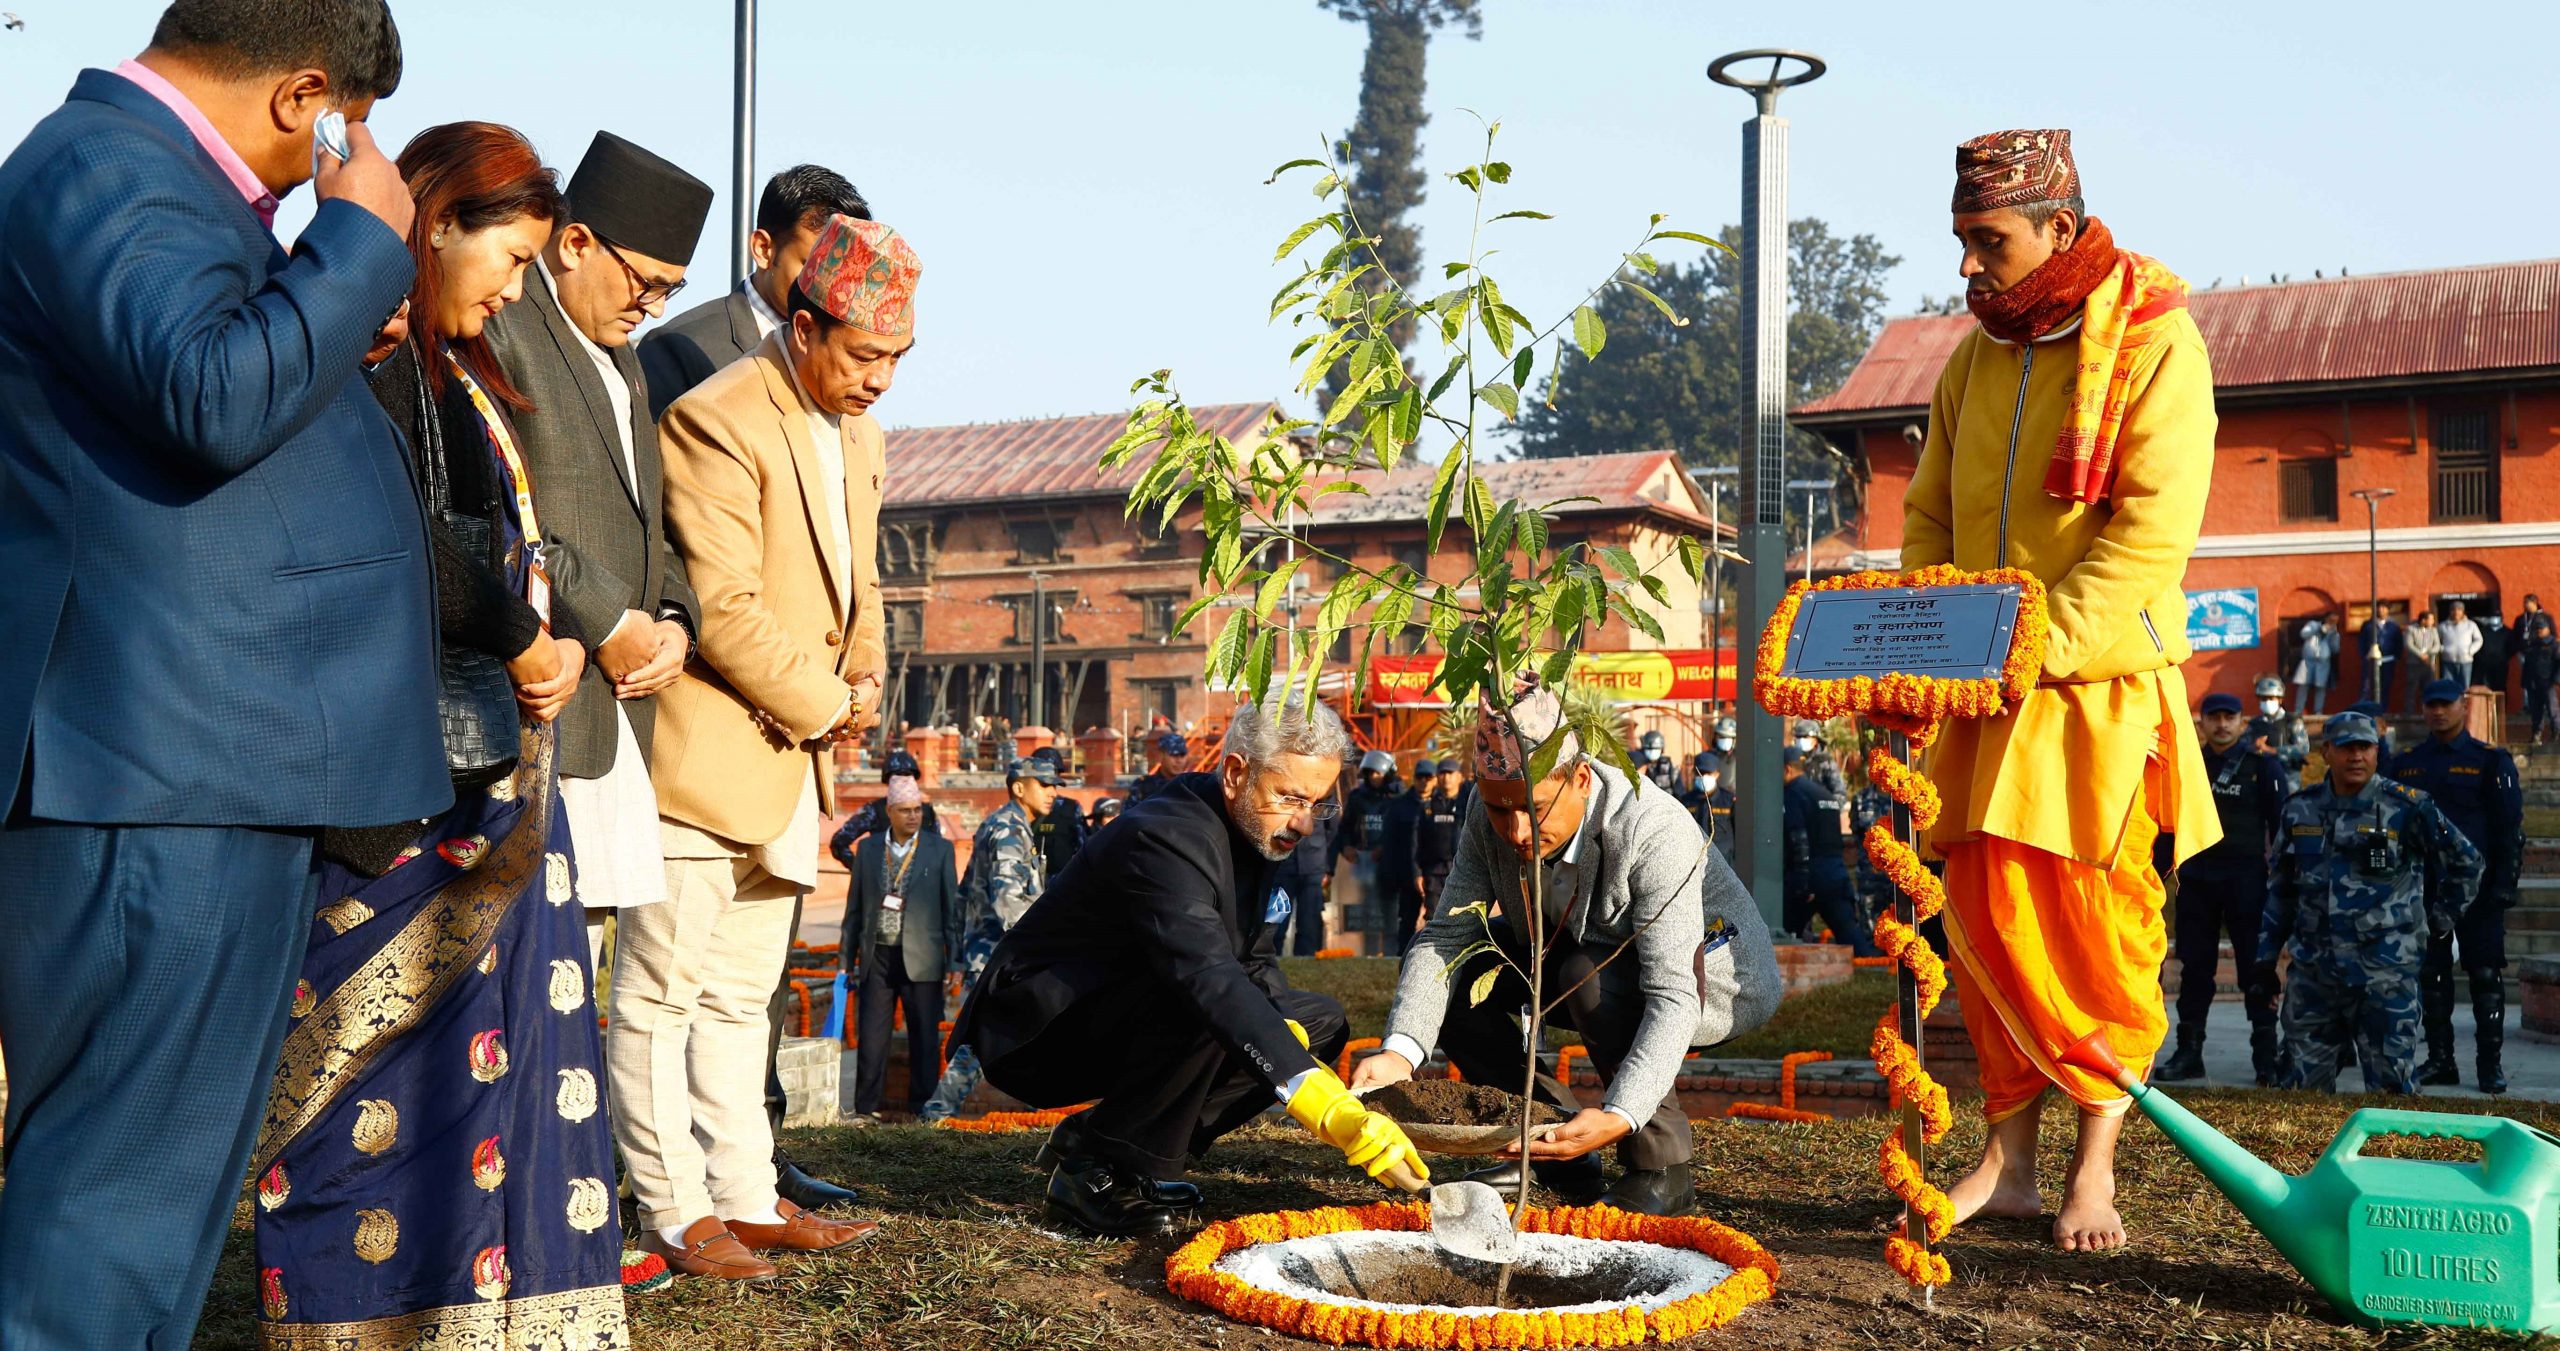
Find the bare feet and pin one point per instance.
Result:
(1996, 1188)
(2088, 1222)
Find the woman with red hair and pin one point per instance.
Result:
(435, 1164)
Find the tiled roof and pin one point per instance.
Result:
(1638, 478)
(1035, 458)
(1058, 457)
(2487, 318)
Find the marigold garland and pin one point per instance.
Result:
(1786, 1109)
(1192, 1273)
(997, 1123)
(1916, 707)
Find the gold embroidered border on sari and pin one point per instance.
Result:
(573, 1320)
(382, 999)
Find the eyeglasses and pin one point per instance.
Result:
(1293, 804)
(649, 292)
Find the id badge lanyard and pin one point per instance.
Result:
(537, 584)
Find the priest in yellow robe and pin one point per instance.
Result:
(2071, 435)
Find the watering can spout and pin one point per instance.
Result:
(2262, 1193)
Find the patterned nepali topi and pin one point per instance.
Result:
(1505, 740)
(863, 273)
(2015, 168)
(905, 792)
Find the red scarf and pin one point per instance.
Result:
(2052, 295)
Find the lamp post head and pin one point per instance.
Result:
(1764, 89)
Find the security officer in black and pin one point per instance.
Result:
(2474, 784)
(1444, 798)
(2224, 890)
(1655, 762)
(1061, 833)
(1711, 802)
(1165, 757)
(1399, 857)
(1817, 869)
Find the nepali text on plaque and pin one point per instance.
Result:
(1950, 632)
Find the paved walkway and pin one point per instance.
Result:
(2533, 1067)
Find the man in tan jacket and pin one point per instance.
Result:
(773, 498)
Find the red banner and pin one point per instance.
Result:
(1678, 673)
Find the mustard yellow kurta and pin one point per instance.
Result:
(2053, 911)
(2063, 773)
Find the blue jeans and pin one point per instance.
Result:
(2459, 671)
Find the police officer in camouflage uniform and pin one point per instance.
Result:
(2364, 865)
(1006, 874)
(2474, 784)
(2278, 732)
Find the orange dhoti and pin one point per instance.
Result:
(2048, 949)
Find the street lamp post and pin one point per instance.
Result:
(1757, 834)
(742, 148)
(2372, 499)
(1808, 486)
(1039, 649)
(1715, 585)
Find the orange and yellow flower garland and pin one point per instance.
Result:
(995, 1123)
(1916, 707)
(1192, 1273)
(1786, 1109)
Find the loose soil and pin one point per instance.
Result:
(1446, 1102)
(1459, 1283)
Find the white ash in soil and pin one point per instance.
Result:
(1323, 1267)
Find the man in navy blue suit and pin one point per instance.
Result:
(220, 630)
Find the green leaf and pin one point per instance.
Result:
(1257, 668)
(1522, 365)
(1522, 215)
(1570, 611)
(1589, 333)
(1658, 303)
(1326, 185)
(1602, 742)
(1620, 559)
(1479, 507)
(1503, 397)
(1695, 238)
(1542, 761)
(1473, 179)
(1498, 171)
(1227, 652)
(1651, 627)
(1533, 533)
(1483, 988)
(1293, 164)
(1443, 485)
(1448, 271)
(1558, 668)
(1693, 558)
(1395, 607)
(1299, 236)
(1497, 316)
(1191, 612)
(1495, 538)
(1360, 389)
(1441, 385)
(1275, 586)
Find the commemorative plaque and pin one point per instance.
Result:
(1958, 632)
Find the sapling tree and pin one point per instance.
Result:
(1523, 608)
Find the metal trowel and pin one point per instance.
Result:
(1467, 1218)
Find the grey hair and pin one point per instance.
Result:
(2038, 213)
(1290, 727)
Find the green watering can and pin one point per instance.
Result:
(2393, 1240)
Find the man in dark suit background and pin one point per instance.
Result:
(221, 635)
(1148, 976)
(903, 913)
(795, 205)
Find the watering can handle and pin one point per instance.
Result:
(2373, 1121)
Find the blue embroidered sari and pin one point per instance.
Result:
(435, 1166)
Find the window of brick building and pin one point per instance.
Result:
(1156, 613)
(906, 552)
(904, 625)
(2464, 486)
(2308, 488)
(1059, 603)
(1034, 541)
(1155, 698)
(1154, 543)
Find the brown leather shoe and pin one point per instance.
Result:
(710, 1249)
(802, 1231)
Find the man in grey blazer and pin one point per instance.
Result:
(590, 445)
(795, 205)
(1655, 947)
(903, 907)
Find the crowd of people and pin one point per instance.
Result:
(2454, 644)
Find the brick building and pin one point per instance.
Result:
(2442, 386)
(971, 513)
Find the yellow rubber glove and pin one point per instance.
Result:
(1298, 1030)
(1369, 1141)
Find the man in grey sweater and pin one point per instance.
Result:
(1654, 947)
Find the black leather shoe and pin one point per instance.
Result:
(2438, 1072)
(1655, 1191)
(807, 1192)
(2187, 1062)
(1575, 1182)
(1096, 1199)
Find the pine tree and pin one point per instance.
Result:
(1383, 150)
